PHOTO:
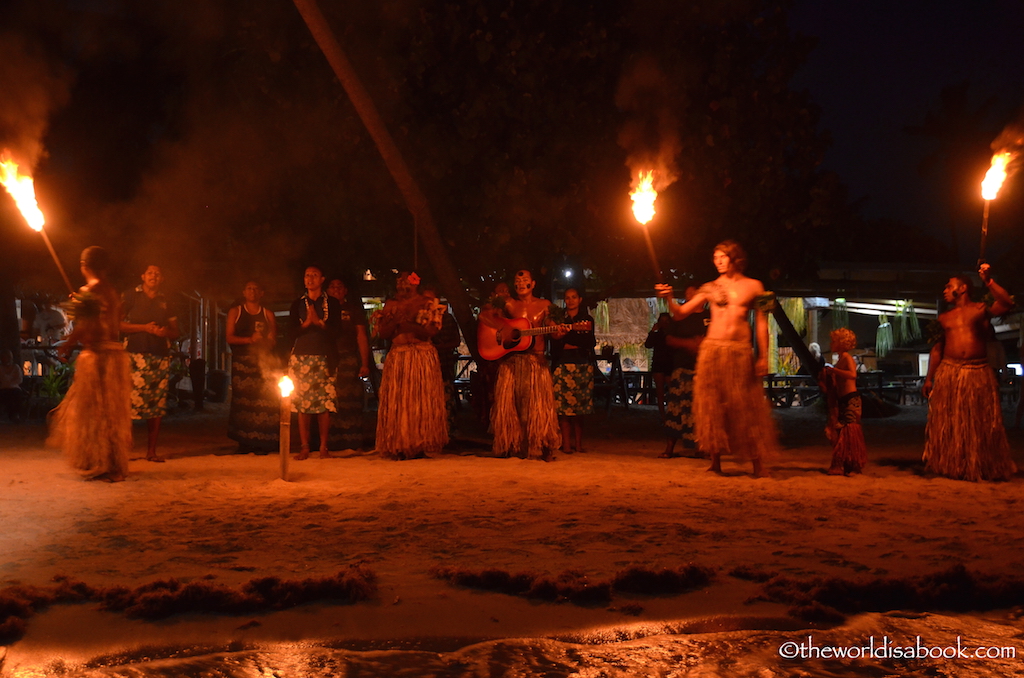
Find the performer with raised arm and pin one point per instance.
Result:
(965, 435)
(93, 424)
(523, 416)
(731, 413)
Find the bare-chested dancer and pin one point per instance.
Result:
(523, 415)
(965, 436)
(93, 424)
(732, 415)
(412, 420)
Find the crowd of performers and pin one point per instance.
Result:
(708, 372)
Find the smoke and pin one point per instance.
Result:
(33, 86)
(650, 134)
(1012, 137)
(1011, 140)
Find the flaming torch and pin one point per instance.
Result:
(22, 189)
(285, 435)
(994, 179)
(643, 197)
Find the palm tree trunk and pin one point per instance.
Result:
(414, 198)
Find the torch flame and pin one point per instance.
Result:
(996, 175)
(22, 189)
(285, 384)
(643, 197)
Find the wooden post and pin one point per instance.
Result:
(414, 199)
(285, 434)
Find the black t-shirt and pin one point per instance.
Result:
(139, 309)
(694, 325)
(584, 340)
(316, 340)
(351, 317)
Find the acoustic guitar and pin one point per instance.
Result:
(515, 334)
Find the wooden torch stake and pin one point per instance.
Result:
(285, 434)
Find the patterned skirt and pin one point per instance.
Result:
(679, 407)
(346, 431)
(255, 415)
(93, 424)
(411, 417)
(574, 389)
(150, 378)
(314, 384)
(849, 451)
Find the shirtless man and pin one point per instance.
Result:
(730, 411)
(411, 417)
(93, 423)
(523, 416)
(965, 435)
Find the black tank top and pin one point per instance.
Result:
(247, 325)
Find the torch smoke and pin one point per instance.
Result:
(650, 134)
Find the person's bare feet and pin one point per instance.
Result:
(836, 471)
(109, 477)
(155, 458)
(303, 453)
(760, 471)
(325, 454)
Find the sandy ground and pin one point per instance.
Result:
(209, 512)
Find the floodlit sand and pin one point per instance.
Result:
(210, 513)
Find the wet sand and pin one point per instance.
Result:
(209, 514)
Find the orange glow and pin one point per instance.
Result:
(643, 197)
(996, 175)
(22, 189)
(285, 384)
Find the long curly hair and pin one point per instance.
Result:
(843, 340)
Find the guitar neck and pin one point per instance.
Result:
(547, 329)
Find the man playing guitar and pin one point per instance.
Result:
(523, 416)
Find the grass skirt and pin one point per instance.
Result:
(965, 435)
(523, 412)
(574, 389)
(679, 423)
(731, 412)
(411, 418)
(254, 419)
(93, 424)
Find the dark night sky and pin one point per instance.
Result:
(879, 66)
